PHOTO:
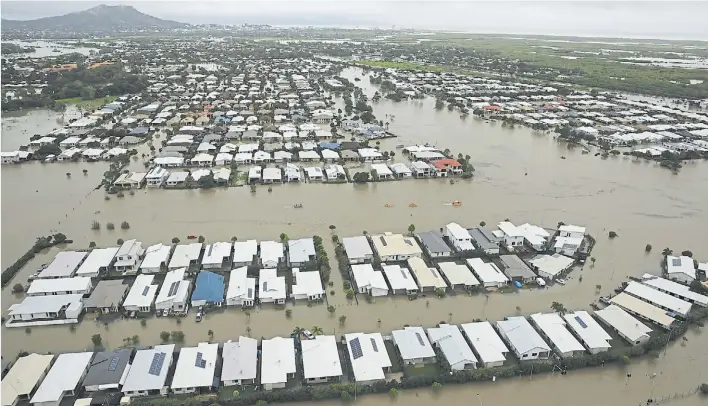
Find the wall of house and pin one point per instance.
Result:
(184, 390)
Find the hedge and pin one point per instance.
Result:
(41, 243)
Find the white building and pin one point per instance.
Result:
(395, 247)
(591, 334)
(242, 289)
(658, 298)
(157, 176)
(552, 327)
(185, 255)
(271, 287)
(63, 379)
(453, 346)
(643, 310)
(307, 285)
(459, 237)
(80, 285)
(368, 357)
(569, 239)
(401, 170)
(486, 342)
(488, 273)
(23, 378)
(357, 249)
(382, 171)
(369, 281)
(128, 256)
(245, 252)
(64, 265)
(98, 260)
(240, 362)
(320, 360)
(141, 295)
(148, 372)
(628, 327)
(156, 258)
(458, 276)
(511, 236)
(174, 293)
(195, 369)
(277, 362)
(526, 343)
(271, 254)
(217, 255)
(400, 279)
(550, 266)
(45, 310)
(428, 279)
(301, 251)
(680, 269)
(678, 290)
(413, 345)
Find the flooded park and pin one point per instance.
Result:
(520, 175)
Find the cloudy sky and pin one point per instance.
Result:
(671, 19)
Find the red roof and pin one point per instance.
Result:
(491, 108)
(445, 163)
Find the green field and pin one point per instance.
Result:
(89, 104)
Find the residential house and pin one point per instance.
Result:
(242, 289)
(458, 276)
(485, 240)
(569, 239)
(335, 172)
(208, 290)
(130, 180)
(174, 293)
(588, 331)
(516, 269)
(421, 169)
(245, 253)
(185, 256)
(357, 249)
(62, 380)
(271, 287)
(401, 171)
(107, 296)
(141, 295)
(453, 347)
(413, 346)
(446, 168)
(680, 269)
(487, 273)
(217, 255)
(368, 357)
(148, 374)
(157, 176)
(320, 360)
(156, 258)
(128, 257)
(107, 370)
(395, 247)
(63, 265)
(195, 370)
(99, 260)
(307, 285)
(277, 362)
(552, 328)
(428, 279)
(80, 285)
(624, 324)
(511, 235)
(177, 179)
(486, 343)
(400, 280)
(24, 377)
(301, 251)
(458, 237)
(271, 254)
(240, 362)
(551, 266)
(526, 343)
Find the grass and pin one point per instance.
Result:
(417, 66)
(89, 104)
(421, 370)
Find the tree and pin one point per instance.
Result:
(92, 244)
(347, 397)
(350, 293)
(95, 225)
(234, 239)
(97, 340)
(612, 234)
(331, 309)
(317, 330)
(297, 332)
(283, 237)
(175, 240)
(177, 336)
(165, 336)
(110, 226)
(482, 223)
(411, 229)
(201, 239)
(361, 177)
(559, 308)
(667, 251)
(59, 238)
(436, 387)
(68, 174)
(120, 241)
(210, 333)
(124, 225)
(647, 248)
(288, 313)
(704, 388)
(18, 288)
(393, 393)
(332, 227)
(687, 253)
(342, 320)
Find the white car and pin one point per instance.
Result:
(561, 281)
(540, 282)
(308, 334)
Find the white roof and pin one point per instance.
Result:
(216, 252)
(156, 255)
(552, 264)
(680, 265)
(97, 258)
(662, 299)
(270, 285)
(369, 153)
(486, 341)
(510, 229)
(65, 375)
(452, 344)
(240, 285)
(412, 343)
(642, 308)
(149, 369)
(368, 363)
(487, 271)
(63, 265)
(46, 304)
(23, 377)
(188, 374)
(572, 229)
(458, 274)
(320, 357)
(130, 247)
(426, 277)
(245, 251)
(307, 283)
(278, 360)
(381, 169)
(366, 276)
(553, 326)
(588, 329)
(40, 286)
(176, 177)
(272, 174)
(395, 244)
(157, 172)
(174, 288)
(521, 335)
(399, 277)
(240, 359)
(271, 251)
(300, 250)
(623, 322)
(357, 247)
(400, 168)
(184, 254)
(142, 293)
(672, 287)
(458, 232)
(329, 154)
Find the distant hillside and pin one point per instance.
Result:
(99, 19)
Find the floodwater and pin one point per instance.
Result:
(45, 48)
(520, 175)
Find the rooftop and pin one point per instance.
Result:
(644, 309)
(623, 322)
(23, 377)
(588, 329)
(412, 343)
(452, 344)
(209, 287)
(96, 259)
(486, 271)
(554, 328)
(399, 277)
(662, 299)
(61, 285)
(434, 243)
(458, 274)
(195, 366)
(240, 359)
(107, 293)
(63, 265)
(320, 357)
(142, 293)
(357, 247)
(395, 244)
(108, 368)
(368, 356)
(426, 277)
(149, 369)
(521, 335)
(216, 252)
(486, 341)
(278, 360)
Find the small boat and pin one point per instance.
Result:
(457, 203)
(388, 205)
(400, 146)
(412, 205)
(298, 206)
(191, 237)
(560, 281)
(517, 284)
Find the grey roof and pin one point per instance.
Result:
(515, 267)
(102, 370)
(108, 293)
(483, 239)
(433, 242)
(211, 138)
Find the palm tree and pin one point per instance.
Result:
(559, 308)
(317, 330)
(667, 251)
(297, 331)
(342, 320)
(411, 229)
(248, 331)
(210, 333)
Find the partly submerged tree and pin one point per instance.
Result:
(317, 330)
(667, 251)
(559, 308)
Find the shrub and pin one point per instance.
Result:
(436, 386)
(175, 240)
(288, 313)
(110, 226)
(92, 244)
(350, 294)
(124, 225)
(97, 340)
(120, 241)
(106, 197)
(165, 336)
(704, 388)
(177, 336)
(120, 194)
(687, 253)
(28, 330)
(18, 288)
(332, 292)
(612, 234)
(201, 239)
(331, 309)
(347, 397)
(647, 248)
(143, 322)
(95, 225)
(393, 392)
(132, 193)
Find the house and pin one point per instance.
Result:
(242, 289)
(185, 255)
(177, 179)
(24, 377)
(314, 174)
(64, 265)
(156, 258)
(223, 158)
(678, 290)
(329, 156)
(261, 157)
(282, 156)
(98, 261)
(169, 161)
(421, 169)
(307, 285)
(395, 247)
(526, 343)
(400, 280)
(484, 240)
(208, 289)
(63, 379)
(107, 296)
(357, 249)
(128, 256)
(277, 362)
(534, 236)
(458, 276)
(624, 324)
(9, 157)
(428, 279)
(659, 299)
(203, 160)
(588, 331)
(511, 235)
(552, 328)
(486, 343)
(148, 374)
(369, 155)
(107, 370)
(447, 167)
(308, 156)
(551, 266)
(413, 346)
(487, 273)
(401, 171)
(644, 310)
(130, 180)
(217, 255)
(320, 360)
(516, 269)
(45, 310)
(157, 176)
(381, 171)
(271, 253)
(335, 172)
(301, 251)
(369, 281)
(434, 244)
(449, 340)
(271, 287)
(141, 295)
(272, 175)
(240, 362)
(174, 292)
(368, 357)
(195, 369)
(460, 239)
(569, 239)
(245, 252)
(680, 269)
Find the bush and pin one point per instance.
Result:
(40, 244)
(18, 288)
(331, 309)
(201, 239)
(704, 388)
(175, 240)
(687, 253)
(124, 225)
(346, 396)
(288, 313)
(177, 336)
(92, 244)
(647, 248)
(120, 194)
(120, 241)
(95, 225)
(612, 234)
(110, 226)
(143, 322)
(350, 294)
(97, 340)
(165, 336)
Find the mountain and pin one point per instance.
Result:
(99, 19)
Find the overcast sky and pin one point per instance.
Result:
(644, 19)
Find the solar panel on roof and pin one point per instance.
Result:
(114, 363)
(173, 288)
(581, 322)
(383, 241)
(434, 272)
(146, 289)
(410, 244)
(355, 347)
(405, 276)
(374, 345)
(676, 261)
(265, 285)
(199, 362)
(156, 365)
(420, 339)
(250, 293)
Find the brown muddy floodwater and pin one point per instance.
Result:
(519, 176)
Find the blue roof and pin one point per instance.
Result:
(210, 287)
(330, 145)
